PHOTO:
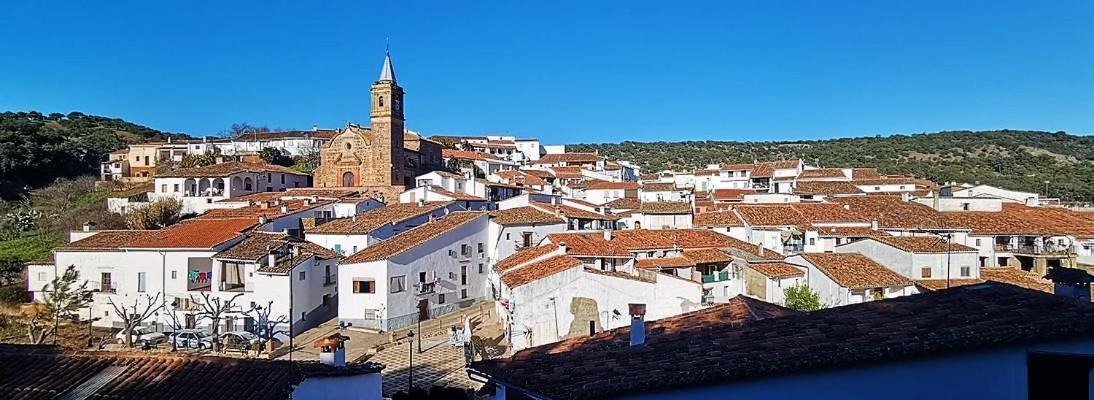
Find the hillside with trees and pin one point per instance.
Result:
(1020, 160)
(36, 148)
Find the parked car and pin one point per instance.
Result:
(239, 340)
(141, 336)
(192, 338)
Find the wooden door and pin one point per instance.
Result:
(423, 309)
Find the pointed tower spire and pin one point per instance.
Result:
(387, 73)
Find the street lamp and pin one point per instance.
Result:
(410, 381)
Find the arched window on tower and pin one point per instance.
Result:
(381, 102)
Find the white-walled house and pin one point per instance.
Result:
(661, 215)
(1022, 346)
(600, 192)
(848, 278)
(418, 274)
(198, 187)
(920, 258)
(180, 264)
(352, 234)
(521, 227)
(768, 281)
(663, 191)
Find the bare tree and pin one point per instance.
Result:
(130, 316)
(267, 327)
(215, 309)
(63, 300)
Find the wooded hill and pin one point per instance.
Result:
(36, 149)
(1020, 160)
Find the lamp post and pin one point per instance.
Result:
(410, 380)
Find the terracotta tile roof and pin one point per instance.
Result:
(542, 173)
(524, 255)
(305, 252)
(707, 256)
(767, 169)
(659, 187)
(588, 244)
(717, 218)
(454, 195)
(538, 270)
(45, 372)
(290, 193)
(567, 172)
(264, 209)
(888, 180)
(964, 319)
(524, 216)
(892, 212)
(371, 220)
(864, 173)
(624, 242)
(777, 269)
(410, 239)
(105, 240)
(625, 203)
(194, 234)
(854, 271)
(521, 178)
(579, 202)
(736, 167)
(848, 231)
(665, 262)
(922, 244)
(730, 194)
(228, 168)
(822, 173)
(649, 177)
(771, 215)
(468, 155)
(826, 188)
(705, 172)
(605, 185)
(1017, 277)
(1021, 219)
(256, 245)
(939, 284)
(568, 158)
(665, 207)
(571, 212)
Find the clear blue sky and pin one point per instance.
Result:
(563, 71)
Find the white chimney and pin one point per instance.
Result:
(638, 324)
(284, 209)
(562, 246)
(271, 259)
(874, 225)
(421, 202)
(314, 127)
(295, 250)
(88, 225)
(608, 234)
(262, 220)
(332, 350)
(846, 206)
(760, 248)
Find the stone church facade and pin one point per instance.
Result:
(383, 156)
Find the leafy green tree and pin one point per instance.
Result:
(802, 298)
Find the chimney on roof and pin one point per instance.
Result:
(421, 202)
(284, 209)
(314, 127)
(846, 206)
(608, 234)
(562, 246)
(638, 324)
(294, 250)
(353, 218)
(271, 259)
(874, 225)
(760, 248)
(332, 350)
(262, 220)
(88, 226)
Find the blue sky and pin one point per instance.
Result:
(563, 71)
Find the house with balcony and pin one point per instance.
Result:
(1033, 239)
(197, 188)
(850, 278)
(421, 273)
(775, 176)
(518, 228)
(349, 235)
(931, 262)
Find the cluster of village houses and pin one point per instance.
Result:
(564, 244)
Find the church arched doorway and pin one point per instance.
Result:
(347, 179)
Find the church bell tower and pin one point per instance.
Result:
(386, 124)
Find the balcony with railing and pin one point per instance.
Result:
(102, 286)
